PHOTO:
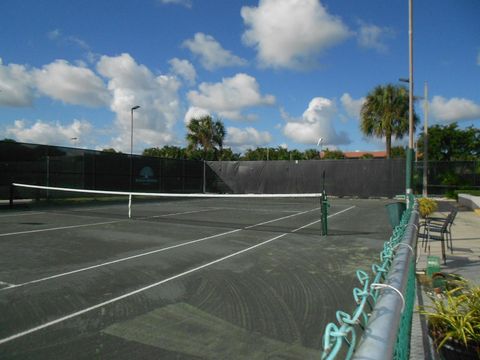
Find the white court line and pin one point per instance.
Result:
(284, 217)
(141, 254)
(250, 209)
(119, 260)
(180, 213)
(329, 216)
(7, 284)
(23, 214)
(121, 297)
(92, 224)
(164, 249)
(59, 228)
(94, 307)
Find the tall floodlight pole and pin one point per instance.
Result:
(131, 161)
(410, 103)
(425, 141)
(319, 145)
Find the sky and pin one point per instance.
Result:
(275, 72)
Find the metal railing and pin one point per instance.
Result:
(383, 314)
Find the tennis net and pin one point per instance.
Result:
(144, 204)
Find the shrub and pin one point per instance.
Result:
(455, 317)
(426, 206)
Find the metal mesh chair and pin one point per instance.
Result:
(438, 229)
(435, 224)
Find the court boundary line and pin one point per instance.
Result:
(148, 252)
(8, 285)
(26, 213)
(329, 216)
(91, 224)
(134, 292)
(60, 228)
(118, 260)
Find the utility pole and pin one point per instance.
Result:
(425, 141)
(410, 150)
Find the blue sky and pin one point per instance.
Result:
(276, 72)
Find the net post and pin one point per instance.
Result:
(130, 205)
(10, 202)
(204, 177)
(324, 210)
(324, 207)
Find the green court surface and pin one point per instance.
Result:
(196, 279)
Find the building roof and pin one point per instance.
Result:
(359, 154)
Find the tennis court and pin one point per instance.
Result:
(181, 279)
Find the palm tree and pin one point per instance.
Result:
(385, 114)
(205, 133)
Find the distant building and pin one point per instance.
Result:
(361, 154)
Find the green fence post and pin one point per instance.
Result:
(324, 208)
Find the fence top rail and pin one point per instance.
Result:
(379, 339)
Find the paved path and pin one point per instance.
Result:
(464, 261)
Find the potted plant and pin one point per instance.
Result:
(454, 321)
(427, 206)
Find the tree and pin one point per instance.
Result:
(170, 152)
(111, 150)
(205, 134)
(257, 154)
(311, 154)
(295, 155)
(448, 142)
(228, 155)
(399, 152)
(385, 114)
(333, 154)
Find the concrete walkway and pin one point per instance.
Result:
(464, 261)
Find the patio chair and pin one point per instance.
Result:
(437, 231)
(435, 224)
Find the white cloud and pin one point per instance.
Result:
(212, 55)
(184, 69)
(352, 107)
(54, 34)
(134, 84)
(291, 33)
(249, 137)
(42, 132)
(71, 84)
(187, 3)
(62, 39)
(16, 85)
(373, 37)
(229, 97)
(195, 113)
(316, 122)
(454, 109)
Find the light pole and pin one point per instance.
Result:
(74, 139)
(410, 103)
(319, 145)
(425, 141)
(131, 161)
(425, 135)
